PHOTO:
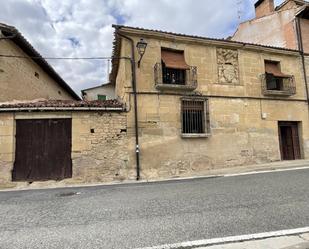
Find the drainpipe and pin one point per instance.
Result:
(132, 60)
(301, 50)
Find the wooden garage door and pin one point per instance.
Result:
(43, 150)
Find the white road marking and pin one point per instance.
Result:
(231, 239)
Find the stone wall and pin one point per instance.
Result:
(6, 146)
(243, 132)
(100, 148)
(22, 79)
(99, 145)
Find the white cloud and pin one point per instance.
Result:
(82, 28)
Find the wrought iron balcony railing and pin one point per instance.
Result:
(175, 79)
(286, 86)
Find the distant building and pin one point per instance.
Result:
(26, 78)
(285, 26)
(102, 92)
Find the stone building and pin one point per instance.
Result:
(207, 103)
(72, 141)
(285, 26)
(102, 92)
(27, 79)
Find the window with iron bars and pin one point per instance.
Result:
(195, 117)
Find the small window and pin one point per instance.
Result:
(195, 117)
(37, 75)
(174, 67)
(101, 97)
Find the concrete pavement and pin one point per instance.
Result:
(151, 214)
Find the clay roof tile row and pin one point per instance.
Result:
(62, 104)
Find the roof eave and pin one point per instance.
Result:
(41, 109)
(204, 40)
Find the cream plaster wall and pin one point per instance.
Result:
(18, 80)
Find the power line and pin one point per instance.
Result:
(239, 9)
(56, 58)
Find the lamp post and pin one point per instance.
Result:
(141, 48)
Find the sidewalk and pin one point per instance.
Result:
(286, 242)
(239, 170)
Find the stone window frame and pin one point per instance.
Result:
(206, 117)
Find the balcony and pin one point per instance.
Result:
(275, 86)
(175, 79)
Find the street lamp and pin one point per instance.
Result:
(141, 48)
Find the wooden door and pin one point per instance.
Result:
(289, 141)
(43, 150)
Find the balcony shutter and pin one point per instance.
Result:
(273, 68)
(174, 59)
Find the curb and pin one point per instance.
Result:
(232, 239)
(128, 183)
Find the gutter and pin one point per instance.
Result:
(29, 109)
(301, 50)
(133, 69)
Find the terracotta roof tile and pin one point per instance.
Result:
(62, 104)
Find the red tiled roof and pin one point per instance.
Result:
(63, 104)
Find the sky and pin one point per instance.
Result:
(83, 28)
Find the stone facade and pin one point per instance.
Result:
(244, 122)
(99, 145)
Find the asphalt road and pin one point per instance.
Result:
(139, 215)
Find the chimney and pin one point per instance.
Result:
(264, 8)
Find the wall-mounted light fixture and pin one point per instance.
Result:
(141, 48)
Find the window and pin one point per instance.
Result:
(173, 76)
(101, 97)
(274, 76)
(173, 67)
(274, 83)
(195, 117)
